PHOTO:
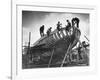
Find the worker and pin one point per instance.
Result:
(49, 31)
(68, 26)
(42, 31)
(84, 44)
(75, 22)
(79, 52)
(59, 26)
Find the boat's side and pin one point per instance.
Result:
(54, 37)
(58, 40)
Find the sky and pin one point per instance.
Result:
(32, 20)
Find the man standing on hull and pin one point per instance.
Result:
(42, 30)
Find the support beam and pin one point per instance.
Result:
(51, 58)
(65, 56)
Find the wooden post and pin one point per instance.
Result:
(51, 58)
(65, 56)
(28, 51)
(29, 38)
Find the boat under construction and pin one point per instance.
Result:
(59, 49)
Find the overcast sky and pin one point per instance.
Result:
(32, 20)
